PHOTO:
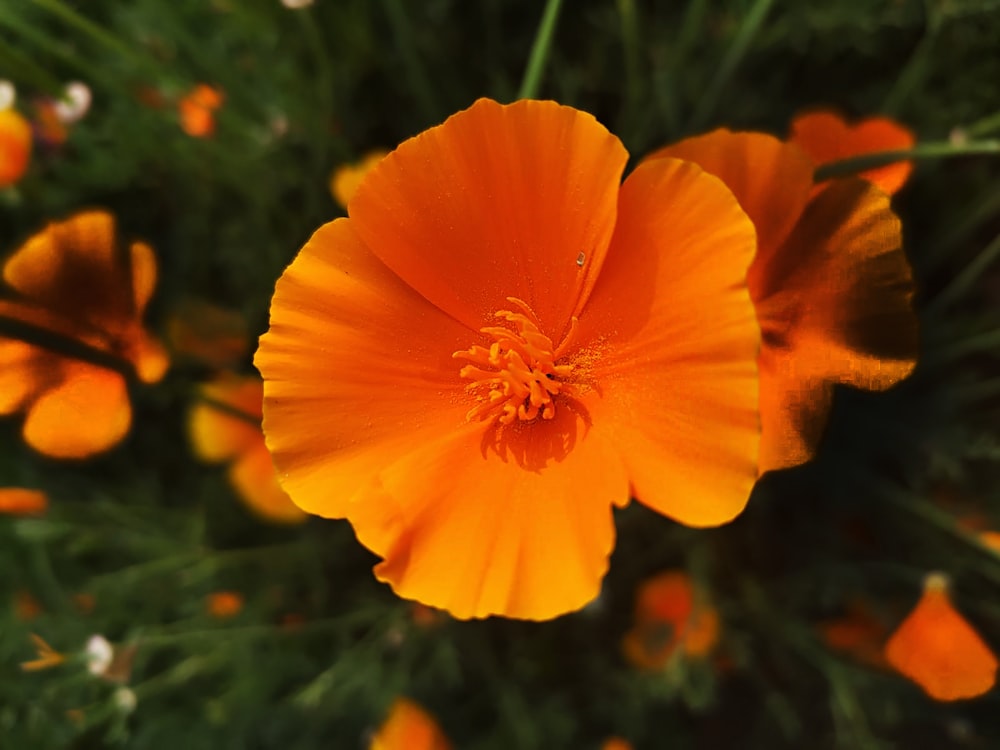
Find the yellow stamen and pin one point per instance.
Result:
(517, 376)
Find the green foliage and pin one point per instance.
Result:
(321, 648)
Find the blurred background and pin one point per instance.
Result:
(214, 130)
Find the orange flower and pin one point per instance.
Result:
(990, 539)
(207, 334)
(501, 343)
(409, 727)
(827, 137)
(74, 280)
(670, 614)
(830, 282)
(15, 146)
(226, 427)
(616, 743)
(20, 502)
(197, 110)
(937, 649)
(345, 179)
(50, 130)
(224, 604)
(26, 606)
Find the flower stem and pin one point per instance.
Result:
(924, 151)
(983, 127)
(417, 75)
(540, 51)
(964, 280)
(69, 347)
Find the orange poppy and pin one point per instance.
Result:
(207, 334)
(224, 604)
(15, 146)
(500, 343)
(616, 743)
(345, 179)
(16, 501)
(196, 110)
(73, 279)
(937, 649)
(226, 427)
(827, 137)
(409, 727)
(830, 281)
(670, 615)
(47, 657)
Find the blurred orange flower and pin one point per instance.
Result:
(345, 179)
(224, 604)
(616, 743)
(825, 136)
(501, 343)
(196, 110)
(47, 657)
(830, 282)
(207, 334)
(73, 279)
(409, 727)
(50, 130)
(26, 605)
(857, 633)
(16, 501)
(225, 426)
(15, 146)
(671, 614)
(937, 649)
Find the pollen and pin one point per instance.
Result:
(519, 376)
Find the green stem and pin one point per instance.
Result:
(734, 56)
(64, 11)
(629, 20)
(415, 72)
(539, 51)
(925, 151)
(982, 127)
(69, 347)
(964, 280)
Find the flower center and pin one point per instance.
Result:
(517, 377)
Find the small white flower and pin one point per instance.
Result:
(74, 102)
(297, 3)
(125, 700)
(8, 95)
(99, 655)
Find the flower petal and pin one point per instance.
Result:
(826, 137)
(143, 275)
(673, 340)
(409, 727)
(357, 371)
(519, 527)
(770, 179)
(500, 201)
(254, 478)
(936, 648)
(217, 435)
(15, 146)
(21, 374)
(838, 311)
(88, 412)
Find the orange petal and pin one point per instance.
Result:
(218, 435)
(196, 110)
(345, 179)
(500, 201)
(826, 137)
(224, 604)
(702, 631)
(666, 597)
(208, 334)
(143, 275)
(674, 339)
(516, 523)
(88, 412)
(936, 648)
(409, 727)
(22, 374)
(16, 501)
(256, 481)
(15, 146)
(148, 356)
(837, 310)
(770, 179)
(616, 743)
(358, 371)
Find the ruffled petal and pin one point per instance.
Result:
(357, 371)
(88, 412)
(500, 201)
(770, 179)
(516, 522)
(826, 137)
(840, 311)
(671, 340)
